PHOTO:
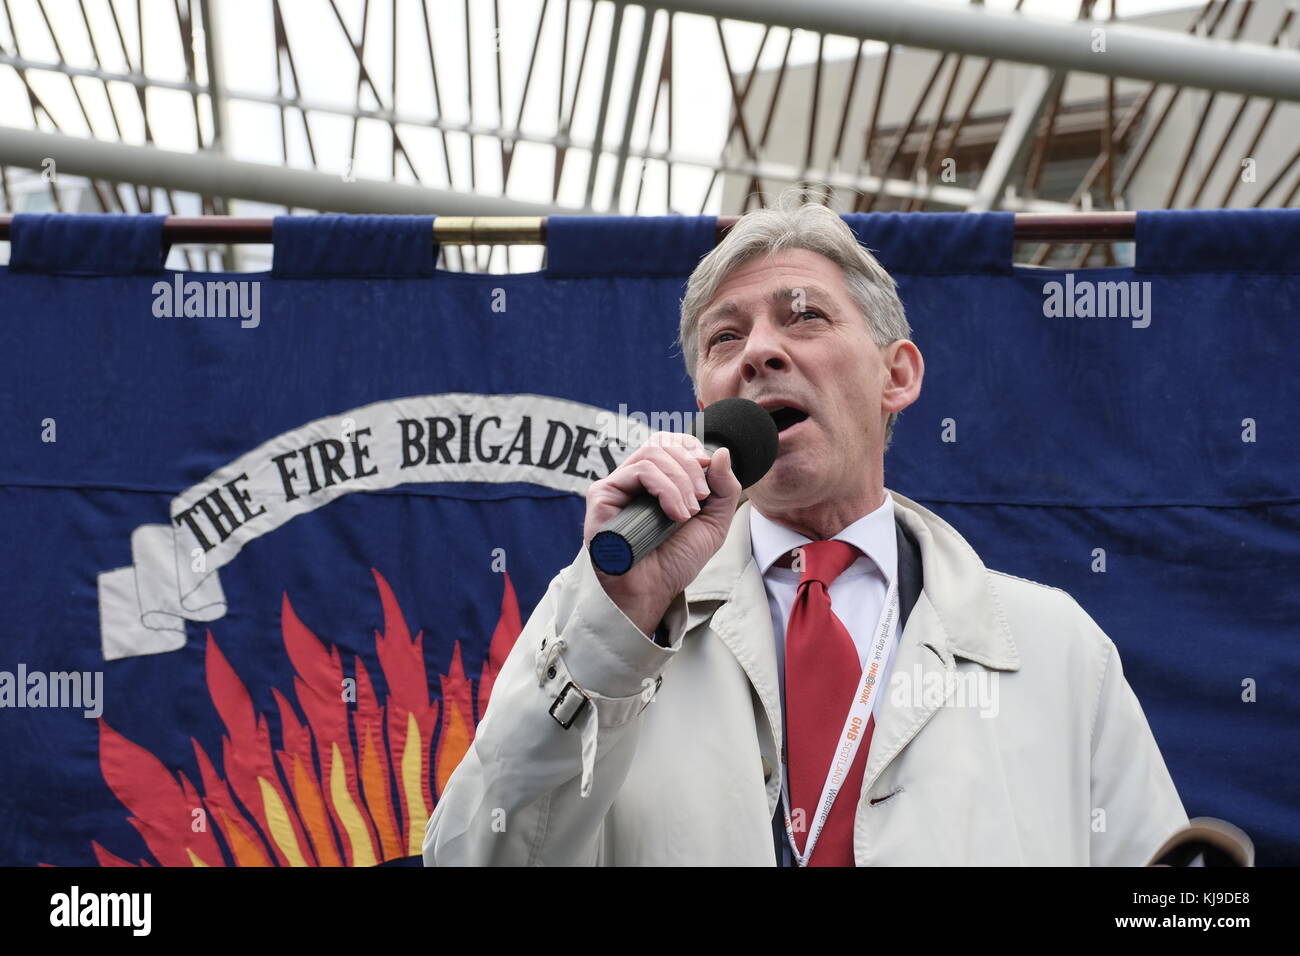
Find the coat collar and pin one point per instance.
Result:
(957, 615)
(972, 624)
(970, 621)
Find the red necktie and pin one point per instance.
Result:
(822, 671)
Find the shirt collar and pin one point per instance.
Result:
(873, 534)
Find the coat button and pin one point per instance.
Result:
(767, 770)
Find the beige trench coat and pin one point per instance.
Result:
(1008, 734)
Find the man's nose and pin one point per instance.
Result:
(764, 349)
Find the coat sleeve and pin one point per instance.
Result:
(1130, 782)
(530, 792)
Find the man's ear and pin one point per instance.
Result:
(699, 404)
(904, 369)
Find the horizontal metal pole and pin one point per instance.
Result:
(1142, 53)
(150, 166)
(527, 230)
(214, 175)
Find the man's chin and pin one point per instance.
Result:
(789, 478)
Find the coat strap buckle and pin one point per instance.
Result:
(568, 704)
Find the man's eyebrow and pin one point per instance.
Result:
(729, 308)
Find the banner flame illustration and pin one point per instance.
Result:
(317, 800)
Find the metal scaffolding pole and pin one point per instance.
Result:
(1141, 53)
(258, 182)
(217, 102)
(262, 183)
(1042, 87)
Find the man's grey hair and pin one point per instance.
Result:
(793, 224)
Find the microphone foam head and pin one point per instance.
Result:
(748, 431)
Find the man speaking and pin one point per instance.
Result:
(817, 671)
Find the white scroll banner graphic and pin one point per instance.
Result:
(451, 437)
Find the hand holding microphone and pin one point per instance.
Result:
(658, 518)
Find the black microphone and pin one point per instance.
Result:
(738, 424)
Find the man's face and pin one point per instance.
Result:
(784, 330)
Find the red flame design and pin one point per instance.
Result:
(272, 807)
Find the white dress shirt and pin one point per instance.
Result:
(857, 595)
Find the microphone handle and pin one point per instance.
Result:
(633, 533)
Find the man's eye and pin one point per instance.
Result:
(717, 339)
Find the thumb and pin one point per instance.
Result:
(723, 484)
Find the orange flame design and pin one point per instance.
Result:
(293, 816)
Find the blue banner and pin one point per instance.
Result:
(269, 535)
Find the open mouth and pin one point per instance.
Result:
(787, 417)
